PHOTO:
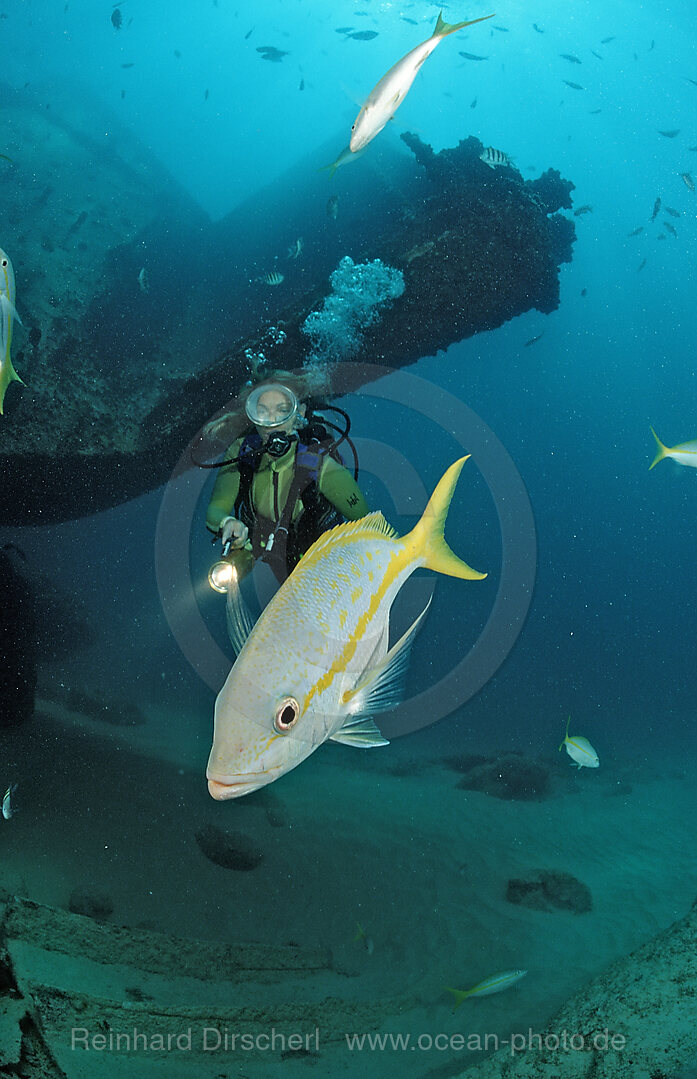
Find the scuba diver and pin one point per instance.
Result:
(281, 485)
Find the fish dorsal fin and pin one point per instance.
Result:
(372, 526)
(382, 687)
(238, 617)
(360, 731)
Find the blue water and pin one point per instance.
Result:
(609, 636)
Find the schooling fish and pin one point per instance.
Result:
(656, 209)
(636, 231)
(671, 228)
(573, 85)
(8, 314)
(570, 57)
(496, 983)
(579, 749)
(687, 180)
(316, 665)
(670, 134)
(471, 56)
(270, 52)
(363, 35)
(586, 209)
(685, 453)
(671, 211)
(333, 207)
(389, 93)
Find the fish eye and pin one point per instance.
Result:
(286, 715)
(4, 262)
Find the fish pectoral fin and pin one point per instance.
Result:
(238, 617)
(360, 731)
(8, 308)
(382, 686)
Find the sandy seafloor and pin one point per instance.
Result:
(381, 837)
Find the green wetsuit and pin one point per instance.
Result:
(269, 493)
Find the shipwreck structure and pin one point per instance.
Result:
(142, 318)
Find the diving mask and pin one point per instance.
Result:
(271, 405)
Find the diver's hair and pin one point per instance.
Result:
(306, 383)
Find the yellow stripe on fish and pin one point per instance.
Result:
(317, 663)
(8, 314)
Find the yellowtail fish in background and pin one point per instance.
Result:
(344, 158)
(685, 453)
(316, 665)
(579, 749)
(8, 313)
(386, 97)
(494, 984)
(368, 942)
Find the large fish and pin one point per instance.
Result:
(316, 665)
(685, 453)
(8, 314)
(386, 97)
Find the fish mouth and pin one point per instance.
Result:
(236, 786)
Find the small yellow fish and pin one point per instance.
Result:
(389, 93)
(496, 983)
(685, 453)
(8, 314)
(367, 941)
(579, 749)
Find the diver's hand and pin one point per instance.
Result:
(233, 532)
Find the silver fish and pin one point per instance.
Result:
(143, 280)
(8, 314)
(389, 93)
(295, 249)
(8, 810)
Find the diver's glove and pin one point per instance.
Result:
(233, 532)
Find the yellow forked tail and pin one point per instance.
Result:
(662, 451)
(7, 375)
(444, 28)
(459, 994)
(427, 540)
